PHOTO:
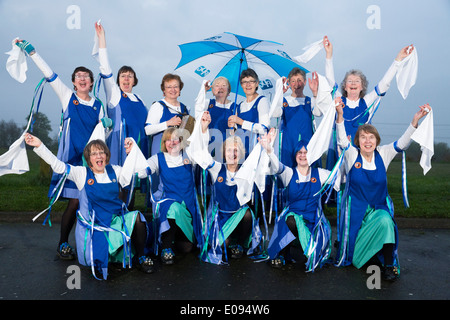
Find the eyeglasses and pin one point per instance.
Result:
(81, 77)
(174, 141)
(95, 154)
(128, 76)
(248, 82)
(353, 81)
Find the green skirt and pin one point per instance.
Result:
(115, 239)
(304, 234)
(183, 219)
(377, 228)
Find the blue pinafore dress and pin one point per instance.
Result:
(104, 225)
(219, 118)
(129, 121)
(314, 231)
(179, 200)
(223, 217)
(366, 218)
(354, 117)
(252, 115)
(167, 115)
(78, 123)
(297, 124)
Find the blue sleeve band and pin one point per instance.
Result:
(396, 147)
(377, 90)
(52, 77)
(106, 76)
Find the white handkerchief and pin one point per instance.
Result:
(95, 48)
(310, 51)
(15, 160)
(135, 162)
(407, 73)
(98, 133)
(321, 138)
(16, 65)
(278, 98)
(424, 136)
(197, 150)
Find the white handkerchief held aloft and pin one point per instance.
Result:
(134, 163)
(98, 133)
(15, 160)
(319, 142)
(424, 136)
(278, 98)
(407, 73)
(197, 150)
(16, 65)
(310, 52)
(95, 47)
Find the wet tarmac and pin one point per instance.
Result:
(29, 270)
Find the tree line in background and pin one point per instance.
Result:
(10, 132)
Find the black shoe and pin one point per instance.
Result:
(390, 273)
(65, 252)
(146, 264)
(236, 251)
(167, 256)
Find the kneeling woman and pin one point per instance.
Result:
(104, 224)
(228, 222)
(177, 217)
(366, 223)
(303, 217)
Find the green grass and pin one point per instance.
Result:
(429, 195)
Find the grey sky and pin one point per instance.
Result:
(146, 34)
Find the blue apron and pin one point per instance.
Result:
(178, 186)
(252, 115)
(364, 189)
(301, 201)
(78, 123)
(167, 115)
(129, 121)
(297, 123)
(354, 117)
(219, 118)
(99, 205)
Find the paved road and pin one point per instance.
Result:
(29, 270)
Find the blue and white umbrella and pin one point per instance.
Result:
(228, 54)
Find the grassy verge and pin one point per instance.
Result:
(429, 195)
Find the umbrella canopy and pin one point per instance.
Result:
(228, 54)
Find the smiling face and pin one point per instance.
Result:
(249, 85)
(220, 89)
(367, 139)
(297, 84)
(173, 145)
(300, 157)
(126, 81)
(82, 82)
(353, 86)
(171, 89)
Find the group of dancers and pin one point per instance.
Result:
(145, 146)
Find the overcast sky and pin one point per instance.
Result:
(366, 35)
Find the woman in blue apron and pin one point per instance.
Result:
(177, 217)
(302, 220)
(252, 115)
(164, 114)
(106, 231)
(227, 221)
(220, 109)
(80, 115)
(126, 109)
(366, 225)
(297, 115)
